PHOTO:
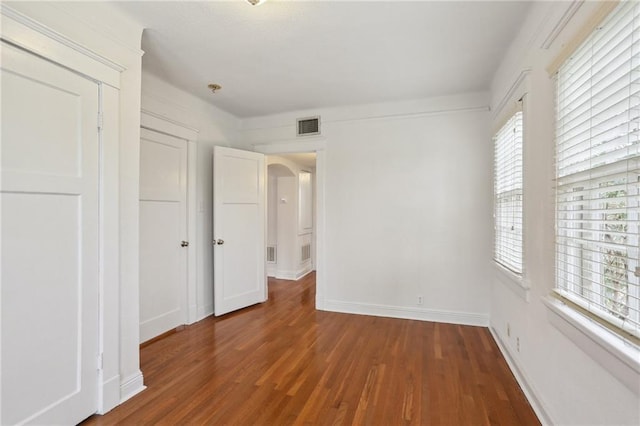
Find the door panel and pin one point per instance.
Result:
(163, 225)
(49, 223)
(239, 221)
(240, 180)
(54, 147)
(240, 224)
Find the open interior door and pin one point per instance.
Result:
(238, 229)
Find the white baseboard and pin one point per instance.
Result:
(131, 386)
(193, 314)
(529, 391)
(285, 274)
(157, 325)
(304, 271)
(204, 311)
(110, 395)
(462, 318)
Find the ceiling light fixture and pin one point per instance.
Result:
(214, 87)
(255, 2)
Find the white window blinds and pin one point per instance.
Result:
(507, 184)
(597, 171)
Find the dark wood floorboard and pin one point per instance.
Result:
(284, 363)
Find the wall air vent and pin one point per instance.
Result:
(271, 254)
(308, 126)
(305, 252)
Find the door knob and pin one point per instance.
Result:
(220, 242)
(184, 244)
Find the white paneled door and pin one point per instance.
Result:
(238, 229)
(163, 233)
(49, 233)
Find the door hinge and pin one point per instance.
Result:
(100, 362)
(100, 120)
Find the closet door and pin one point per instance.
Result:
(49, 241)
(163, 233)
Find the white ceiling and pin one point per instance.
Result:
(285, 56)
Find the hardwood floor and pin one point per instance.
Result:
(283, 362)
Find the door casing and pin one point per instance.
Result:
(159, 124)
(317, 145)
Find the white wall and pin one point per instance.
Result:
(215, 127)
(568, 383)
(104, 30)
(407, 205)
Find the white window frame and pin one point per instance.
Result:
(508, 194)
(589, 160)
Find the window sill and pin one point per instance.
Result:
(513, 281)
(612, 352)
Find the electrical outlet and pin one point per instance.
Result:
(420, 300)
(508, 330)
(518, 344)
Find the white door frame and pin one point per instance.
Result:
(318, 146)
(160, 124)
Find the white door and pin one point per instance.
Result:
(238, 229)
(49, 232)
(163, 233)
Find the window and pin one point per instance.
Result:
(598, 173)
(507, 193)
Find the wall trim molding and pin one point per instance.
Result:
(286, 274)
(403, 312)
(110, 395)
(511, 91)
(291, 146)
(561, 23)
(104, 31)
(192, 231)
(204, 311)
(390, 110)
(389, 116)
(160, 123)
(159, 324)
(597, 17)
(304, 271)
(532, 395)
(110, 283)
(131, 386)
(192, 313)
(418, 114)
(51, 34)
